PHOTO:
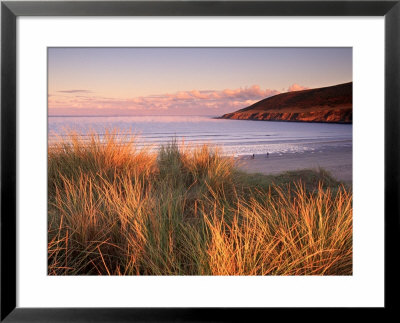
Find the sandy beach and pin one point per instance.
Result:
(336, 160)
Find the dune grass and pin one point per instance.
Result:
(117, 210)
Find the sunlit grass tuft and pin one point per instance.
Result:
(117, 210)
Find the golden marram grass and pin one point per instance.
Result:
(116, 210)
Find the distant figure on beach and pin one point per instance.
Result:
(252, 157)
(267, 154)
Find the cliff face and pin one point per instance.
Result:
(329, 104)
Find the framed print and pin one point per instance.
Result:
(197, 161)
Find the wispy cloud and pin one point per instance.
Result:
(75, 91)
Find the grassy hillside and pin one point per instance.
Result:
(115, 210)
(327, 104)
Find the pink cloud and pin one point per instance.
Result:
(296, 87)
(182, 95)
(198, 95)
(183, 101)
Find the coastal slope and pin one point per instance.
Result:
(328, 104)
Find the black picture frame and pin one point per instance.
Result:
(11, 10)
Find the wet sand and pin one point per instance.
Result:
(338, 161)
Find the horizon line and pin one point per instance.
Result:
(132, 115)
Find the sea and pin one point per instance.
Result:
(233, 137)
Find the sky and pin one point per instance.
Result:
(184, 81)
